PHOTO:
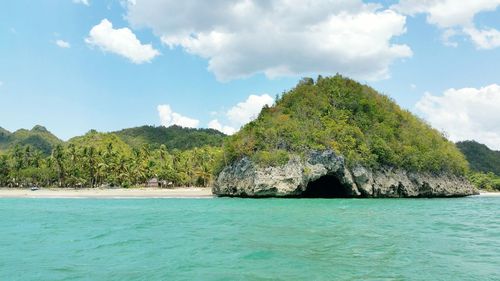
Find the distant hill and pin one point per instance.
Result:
(173, 137)
(4, 135)
(38, 137)
(480, 157)
(100, 141)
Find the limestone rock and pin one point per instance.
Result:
(325, 174)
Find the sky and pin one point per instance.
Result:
(76, 65)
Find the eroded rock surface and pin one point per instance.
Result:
(298, 177)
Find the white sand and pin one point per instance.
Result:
(488, 193)
(188, 192)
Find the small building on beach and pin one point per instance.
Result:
(153, 183)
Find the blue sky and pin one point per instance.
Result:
(66, 65)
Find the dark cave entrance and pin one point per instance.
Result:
(328, 186)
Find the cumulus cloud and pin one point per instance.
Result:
(484, 39)
(215, 124)
(248, 110)
(279, 37)
(121, 41)
(242, 113)
(84, 2)
(63, 44)
(455, 17)
(465, 114)
(169, 118)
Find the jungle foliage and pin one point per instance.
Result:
(484, 164)
(486, 181)
(480, 157)
(103, 159)
(174, 137)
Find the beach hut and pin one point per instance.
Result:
(153, 183)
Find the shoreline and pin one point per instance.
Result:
(131, 193)
(489, 193)
(116, 193)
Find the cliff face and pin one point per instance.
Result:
(325, 174)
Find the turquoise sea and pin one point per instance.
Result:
(248, 239)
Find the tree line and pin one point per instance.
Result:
(108, 165)
(486, 181)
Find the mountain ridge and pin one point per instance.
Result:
(38, 137)
(173, 137)
(480, 157)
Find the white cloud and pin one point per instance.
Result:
(120, 41)
(455, 17)
(84, 2)
(447, 13)
(169, 118)
(63, 44)
(484, 39)
(242, 113)
(215, 124)
(248, 110)
(279, 37)
(447, 37)
(465, 114)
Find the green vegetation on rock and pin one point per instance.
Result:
(352, 119)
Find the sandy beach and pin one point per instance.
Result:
(488, 193)
(188, 192)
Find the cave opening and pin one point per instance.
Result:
(328, 186)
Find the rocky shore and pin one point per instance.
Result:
(325, 174)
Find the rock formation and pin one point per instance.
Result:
(325, 174)
(335, 137)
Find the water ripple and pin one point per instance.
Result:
(240, 239)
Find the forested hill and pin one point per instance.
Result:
(480, 157)
(38, 138)
(352, 119)
(3, 133)
(173, 137)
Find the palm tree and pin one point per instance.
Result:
(90, 155)
(58, 156)
(4, 170)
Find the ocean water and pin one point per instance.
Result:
(245, 239)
